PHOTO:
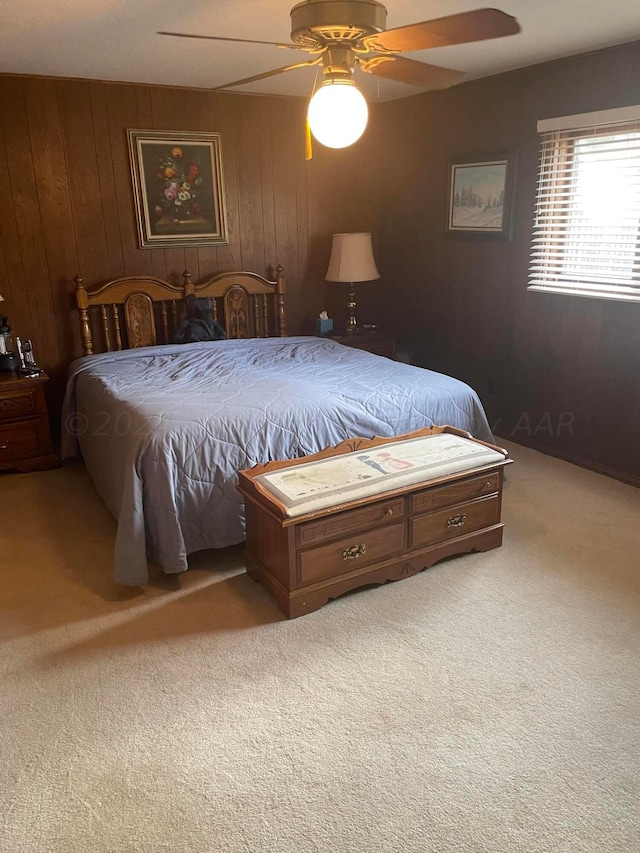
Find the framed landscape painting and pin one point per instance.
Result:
(480, 200)
(178, 188)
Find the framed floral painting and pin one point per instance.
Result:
(178, 188)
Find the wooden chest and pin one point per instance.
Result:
(306, 560)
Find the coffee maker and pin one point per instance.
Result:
(8, 357)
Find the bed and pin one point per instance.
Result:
(164, 428)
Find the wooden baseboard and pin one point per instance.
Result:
(623, 476)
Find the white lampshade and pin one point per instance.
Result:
(352, 258)
(338, 113)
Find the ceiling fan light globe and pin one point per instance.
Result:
(338, 114)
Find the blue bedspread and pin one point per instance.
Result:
(164, 430)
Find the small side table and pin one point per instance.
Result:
(25, 440)
(379, 342)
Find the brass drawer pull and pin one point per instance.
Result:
(457, 520)
(354, 551)
(388, 512)
(4, 445)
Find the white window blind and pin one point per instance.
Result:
(586, 234)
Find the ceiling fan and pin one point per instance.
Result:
(342, 35)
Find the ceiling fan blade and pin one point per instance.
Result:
(409, 71)
(454, 29)
(273, 73)
(224, 38)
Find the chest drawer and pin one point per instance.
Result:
(18, 402)
(454, 521)
(384, 348)
(20, 440)
(351, 552)
(313, 532)
(379, 342)
(455, 493)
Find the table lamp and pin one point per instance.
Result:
(351, 261)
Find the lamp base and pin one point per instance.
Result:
(352, 323)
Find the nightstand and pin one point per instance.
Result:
(379, 342)
(25, 440)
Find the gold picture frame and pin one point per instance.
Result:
(178, 188)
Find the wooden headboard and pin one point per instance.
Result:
(141, 311)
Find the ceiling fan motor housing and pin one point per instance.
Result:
(319, 22)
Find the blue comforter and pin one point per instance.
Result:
(164, 430)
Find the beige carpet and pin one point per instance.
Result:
(491, 703)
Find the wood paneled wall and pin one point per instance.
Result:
(67, 202)
(561, 373)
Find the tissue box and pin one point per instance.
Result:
(323, 327)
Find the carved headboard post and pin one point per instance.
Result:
(189, 289)
(280, 290)
(82, 301)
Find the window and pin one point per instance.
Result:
(586, 234)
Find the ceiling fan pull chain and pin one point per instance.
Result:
(315, 83)
(308, 147)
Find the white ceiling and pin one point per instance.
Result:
(117, 39)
